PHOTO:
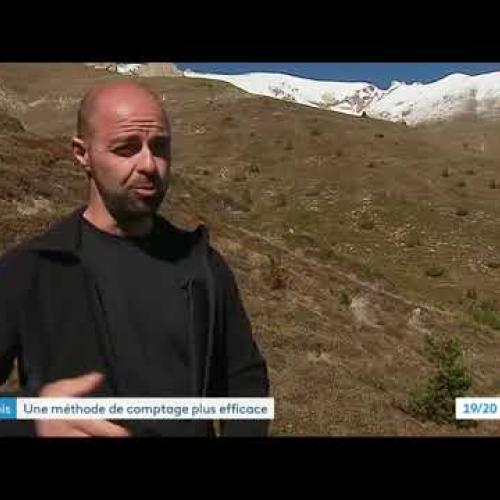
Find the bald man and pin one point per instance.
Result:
(114, 301)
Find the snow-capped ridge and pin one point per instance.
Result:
(414, 103)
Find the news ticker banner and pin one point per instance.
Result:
(469, 408)
(137, 408)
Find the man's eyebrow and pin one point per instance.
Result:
(124, 138)
(163, 135)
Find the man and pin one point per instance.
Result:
(114, 300)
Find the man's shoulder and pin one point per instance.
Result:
(179, 242)
(16, 266)
(16, 257)
(196, 243)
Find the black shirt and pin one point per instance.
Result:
(146, 314)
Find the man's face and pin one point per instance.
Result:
(129, 154)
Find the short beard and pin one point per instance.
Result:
(126, 208)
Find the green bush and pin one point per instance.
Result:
(344, 299)
(435, 401)
(435, 272)
(246, 197)
(413, 240)
(486, 313)
(277, 278)
(366, 222)
(280, 200)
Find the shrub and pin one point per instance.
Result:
(486, 313)
(246, 197)
(280, 200)
(344, 299)
(413, 240)
(435, 271)
(435, 401)
(366, 222)
(277, 277)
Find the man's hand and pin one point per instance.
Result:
(75, 387)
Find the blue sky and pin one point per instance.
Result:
(381, 74)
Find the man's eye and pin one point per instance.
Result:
(127, 150)
(161, 149)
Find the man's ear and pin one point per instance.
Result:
(80, 153)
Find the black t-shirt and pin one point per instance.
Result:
(146, 313)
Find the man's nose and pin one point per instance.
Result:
(147, 160)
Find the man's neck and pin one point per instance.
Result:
(130, 228)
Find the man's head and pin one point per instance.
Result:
(123, 144)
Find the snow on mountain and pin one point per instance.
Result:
(451, 97)
(344, 97)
